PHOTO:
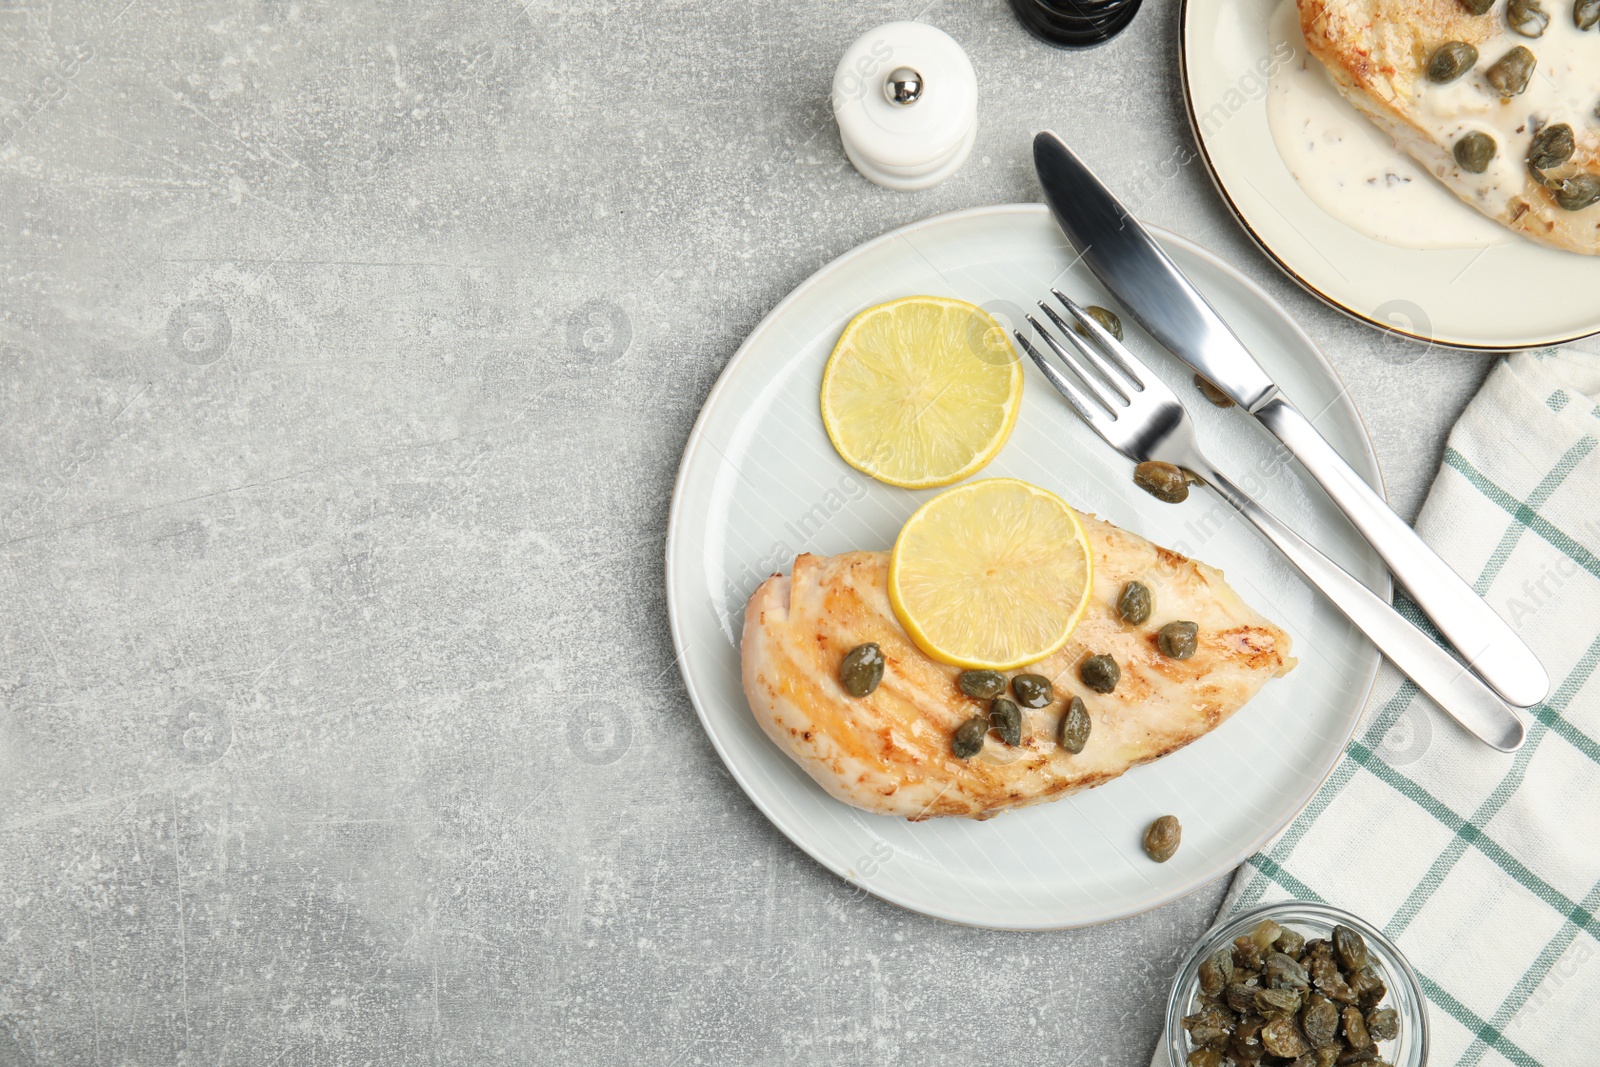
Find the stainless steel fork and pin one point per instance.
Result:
(1138, 415)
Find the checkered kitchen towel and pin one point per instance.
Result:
(1485, 867)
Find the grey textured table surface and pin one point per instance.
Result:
(347, 354)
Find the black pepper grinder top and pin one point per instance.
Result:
(1075, 23)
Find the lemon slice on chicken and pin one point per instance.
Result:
(991, 575)
(921, 391)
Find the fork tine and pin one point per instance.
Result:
(1102, 373)
(1115, 351)
(1113, 404)
(1086, 408)
(1104, 389)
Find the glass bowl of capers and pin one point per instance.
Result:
(1297, 983)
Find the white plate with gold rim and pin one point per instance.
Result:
(1497, 291)
(759, 482)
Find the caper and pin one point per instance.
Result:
(1246, 1046)
(1320, 1021)
(981, 685)
(1282, 1037)
(862, 670)
(1178, 640)
(1032, 690)
(1266, 934)
(1161, 838)
(1212, 393)
(1351, 947)
(1291, 943)
(1100, 673)
(1075, 726)
(968, 740)
(1240, 996)
(1511, 72)
(1325, 975)
(1474, 152)
(1585, 13)
(1364, 983)
(1551, 147)
(1368, 987)
(1527, 18)
(1383, 1024)
(1451, 60)
(1355, 1029)
(1203, 1057)
(1104, 317)
(1209, 1029)
(1273, 1003)
(1478, 7)
(1162, 480)
(1216, 972)
(1134, 603)
(1282, 971)
(1576, 193)
(1005, 718)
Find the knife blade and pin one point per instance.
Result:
(1143, 278)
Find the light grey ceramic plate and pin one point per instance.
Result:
(759, 483)
(1507, 296)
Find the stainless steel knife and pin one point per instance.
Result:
(1143, 278)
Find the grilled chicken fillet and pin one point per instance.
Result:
(889, 752)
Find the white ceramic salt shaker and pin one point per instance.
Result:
(906, 99)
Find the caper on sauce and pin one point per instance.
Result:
(1162, 837)
(1075, 727)
(861, 670)
(1272, 992)
(1511, 72)
(981, 685)
(1576, 193)
(1005, 718)
(1551, 146)
(1164, 481)
(1178, 640)
(1478, 7)
(1527, 18)
(1134, 605)
(1451, 60)
(1032, 690)
(1585, 14)
(968, 739)
(1100, 673)
(1475, 152)
(1104, 317)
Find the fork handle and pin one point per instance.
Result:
(1439, 674)
(1483, 638)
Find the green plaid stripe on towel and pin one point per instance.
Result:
(1485, 867)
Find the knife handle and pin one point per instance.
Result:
(1484, 639)
(1439, 674)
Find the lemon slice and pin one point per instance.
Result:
(991, 575)
(921, 391)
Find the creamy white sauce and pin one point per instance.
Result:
(1352, 169)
